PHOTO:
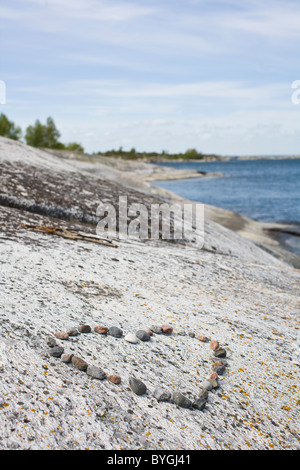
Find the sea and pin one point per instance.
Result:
(267, 190)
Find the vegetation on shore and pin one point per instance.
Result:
(47, 136)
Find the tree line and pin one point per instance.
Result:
(37, 135)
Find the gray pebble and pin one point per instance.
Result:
(51, 341)
(131, 338)
(219, 369)
(182, 401)
(72, 331)
(84, 329)
(156, 329)
(115, 331)
(96, 372)
(199, 403)
(142, 335)
(161, 394)
(220, 352)
(207, 385)
(56, 351)
(67, 357)
(137, 386)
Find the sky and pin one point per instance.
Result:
(214, 75)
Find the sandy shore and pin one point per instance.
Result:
(231, 290)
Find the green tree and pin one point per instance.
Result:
(9, 129)
(44, 136)
(75, 147)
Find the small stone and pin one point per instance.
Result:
(143, 335)
(203, 393)
(51, 342)
(115, 379)
(214, 383)
(182, 401)
(219, 369)
(72, 331)
(220, 362)
(95, 372)
(137, 386)
(79, 363)
(167, 329)
(56, 351)
(102, 330)
(213, 375)
(156, 329)
(181, 332)
(207, 385)
(161, 394)
(131, 338)
(202, 338)
(84, 329)
(220, 352)
(67, 357)
(191, 334)
(61, 335)
(115, 331)
(150, 332)
(214, 344)
(199, 403)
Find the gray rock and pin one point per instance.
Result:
(131, 338)
(156, 329)
(72, 331)
(182, 401)
(137, 386)
(115, 331)
(199, 403)
(203, 394)
(191, 334)
(51, 341)
(219, 369)
(96, 372)
(84, 329)
(56, 351)
(220, 352)
(207, 385)
(143, 335)
(161, 394)
(67, 357)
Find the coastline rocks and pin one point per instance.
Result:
(95, 372)
(56, 351)
(84, 329)
(102, 330)
(167, 329)
(51, 342)
(142, 335)
(137, 386)
(182, 401)
(220, 352)
(161, 394)
(156, 329)
(115, 379)
(115, 331)
(67, 357)
(61, 335)
(202, 338)
(79, 363)
(131, 338)
(214, 344)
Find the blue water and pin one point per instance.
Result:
(265, 190)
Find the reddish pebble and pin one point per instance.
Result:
(102, 330)
(150, 332)
(61, 335)
(167, 329)
(202, 338)
(214, 344)
(115, 379)
(213, 375)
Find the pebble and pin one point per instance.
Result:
(115, 379)
(220, 352)
(61, 335)
(203, 393)
(214, 383)
(182, 401)
(131, 338)
(72, 331)
(67, 357)
(79, 363)
(56, 351)
(167, 329)
(207, 385)
(220, 362)
(115, 331)
(102, 330)
(84, 329)
(199, 403)
(202, 338)
(191, 334)
(150, 332)
(156, 329)
(161, 394)
(213, 375)
(137, 386)
(219, 369)
(214, 344)
(95, 372)
(51, 342)
(143, 335)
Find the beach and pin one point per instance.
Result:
(239, 288)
